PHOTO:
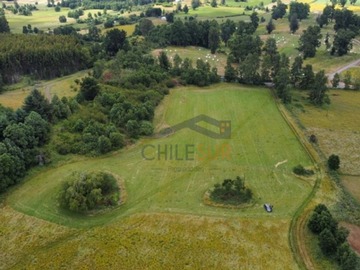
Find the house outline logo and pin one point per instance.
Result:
(223, 125)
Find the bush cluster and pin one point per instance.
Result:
(300, 170)
(86, 191)
(231, 192)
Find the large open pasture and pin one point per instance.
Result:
(164, 214)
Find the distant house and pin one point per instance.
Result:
(268, 207)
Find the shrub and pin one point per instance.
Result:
(87, 191)
(62, 19)
(313, 138)
(334, 162)
(300, 170)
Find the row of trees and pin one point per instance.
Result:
(258, 63)
(332, 238)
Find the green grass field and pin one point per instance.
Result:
(178, 186)
(164, 213)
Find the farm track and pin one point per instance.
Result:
(297, 228)
(343, 68)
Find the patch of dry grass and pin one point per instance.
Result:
(168, 241)
(337, 127)
(21, 235)
(352, 185)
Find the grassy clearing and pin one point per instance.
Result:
(209, 12)
(62, 87)
(178, 186)
(217, 60)
(129, 29)
(329, 63)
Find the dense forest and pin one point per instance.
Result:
(33, 55)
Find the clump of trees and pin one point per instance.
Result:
(332, 238)
(300, 170)
(85, 191)
(106, 120)
(231, 192)
(23, 134)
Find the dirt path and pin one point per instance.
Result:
(341, 69)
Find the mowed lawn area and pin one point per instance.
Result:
(164, 222)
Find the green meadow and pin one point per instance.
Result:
(259, 140)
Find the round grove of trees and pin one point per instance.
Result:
(85, 191)
(233, 192)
